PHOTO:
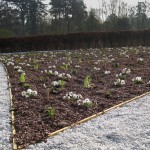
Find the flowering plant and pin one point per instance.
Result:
(148, 83)
(137, 80)
(29, 93)
(72, 96)
(85, 102)
(22, 78)
(119, 82)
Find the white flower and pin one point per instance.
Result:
(17, 67)
(23, 93)
(126, 71)
(77, 66)
(28, 65)
(107, 72)
(148, 83)
(45, 85)
(64, 97)
(60, 75)
(54, 83)
(68, 76)
(29, 91)
(79, 102)
(10, 63)
(45, 71)
(74, 96)
(20, 71)
(34, 93)
(95, 68)
(70, 93)
(119, 82)
(86, 101)
(112, 59)
(138, 79)
(122, 82)
(140, 59)
(24, 73)
(56, 73)
(50, 71)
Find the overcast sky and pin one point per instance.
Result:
(95, 3)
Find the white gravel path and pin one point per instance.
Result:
(125, 128)
(5, 117)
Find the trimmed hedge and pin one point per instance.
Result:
(75, 41)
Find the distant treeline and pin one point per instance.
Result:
(34, 17)
(75, 41)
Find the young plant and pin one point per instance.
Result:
(85, 102)
(64, 67)
(35, 66)
(87, 82)
(51, 111)
(22, 78)
(108, 94)
(57, 86)
(119, 83)
(26, 85)
(138, 80)
(62, 83)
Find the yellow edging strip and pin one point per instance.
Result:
(97, 114)
(65, 128)
(12, 112)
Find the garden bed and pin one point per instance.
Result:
(52, 90)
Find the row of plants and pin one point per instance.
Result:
(54, 89)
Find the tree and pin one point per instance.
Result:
(68, 15)
(92, 23)
(36, 11)
(29, 12)
(9, 18)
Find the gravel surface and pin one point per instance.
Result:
(5, 117)
(125, 128)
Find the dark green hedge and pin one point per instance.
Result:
(75, 41)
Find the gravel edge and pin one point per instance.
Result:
(127, 127)
(123, 128)
(5, 115)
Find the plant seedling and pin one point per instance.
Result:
(51, 111)
(22, 78)
(87, 82)
(26, 85)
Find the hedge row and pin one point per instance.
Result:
(75, 41)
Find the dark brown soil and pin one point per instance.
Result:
(32, 122)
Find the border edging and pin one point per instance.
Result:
(15, 147)
(12, 112)
(91, 117)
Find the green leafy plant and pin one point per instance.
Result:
(35, 64)
(62, 83)
(64, 67)
(22, 78)
(51, 111)
(40, 78)
(87, 82)
(26, 85)
(108, 94)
